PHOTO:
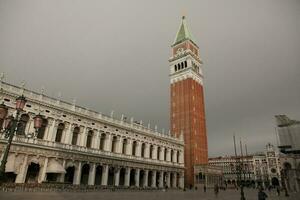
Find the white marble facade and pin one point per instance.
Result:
(80, 146)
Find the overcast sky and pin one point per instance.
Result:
(113, 55)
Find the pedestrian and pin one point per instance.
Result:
(204, 188)
(216, 188)
(262, 195)
(278, 191)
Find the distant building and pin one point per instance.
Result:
(257, 169)
(289, 144)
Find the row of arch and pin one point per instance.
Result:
(114, 176)
(113, 147)
(180, 66)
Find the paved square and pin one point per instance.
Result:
(250, 194)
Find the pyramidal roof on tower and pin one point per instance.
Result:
(183, 33)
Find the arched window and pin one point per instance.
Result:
(158, 152)
(124, 146)
(143, 150)
(182, 65)
(75, 135)
(165, 154)
(185, 64)
(114, 144)
(59, 132)
(172, 158)
(41, 131)
(89, 139)
(177, 155)
(22, 124)
(134, 145)
(102, 141)
(175, 68)
(151, 151)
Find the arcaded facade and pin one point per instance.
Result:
(79, 146)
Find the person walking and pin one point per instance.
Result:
(278, 190)
(262, 195)
(216, 189)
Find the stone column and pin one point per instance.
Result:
(161, 153)
(154, 153)
(92, 174)
(108, 142)
(175, 156)
(127, 177)
(161, 179)
(147, 150)
(104, 175)
(117, 176)
(168, 158)
(96, 140)
(129, 147)
(83, 136)
(174, 184)
(145, 183)
(120, 144)
(42, 174)
(168, 179)
(23, 171)
(29, 126)
(153, 179)
(137, 177)
(77, 174)
(68, 134)
(62, 176)
(52, 129)
(139, 149)
(181, 181)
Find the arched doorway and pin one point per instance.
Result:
(89, 139)
(275, 181)
(141, 178)
(150, 175)
(85, 174)
(111, 175)
(32, 173)
(132, 177)
(98, 175)
(114, 144)
(22, 124)
(42, 130)
(171, 179)
(158, 174)
(122, 177)
(69, 176)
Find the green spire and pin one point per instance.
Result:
(183, 33)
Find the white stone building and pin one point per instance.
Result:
(258, 169)
(79, 146)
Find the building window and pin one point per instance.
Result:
(151, 150)
(102, 141)
(41, 131)
(22, 124)
(75, 135)
(165, 154)
(143, 150)
(134, 145)
(59, 132)
(185, 64)
(89, 139)
(124, 146)
(114, 144)
(158, 152)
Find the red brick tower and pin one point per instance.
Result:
(187, 100)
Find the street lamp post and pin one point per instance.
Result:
(10, 128)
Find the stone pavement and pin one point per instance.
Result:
(250, 194)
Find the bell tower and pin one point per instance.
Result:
(187, 115)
